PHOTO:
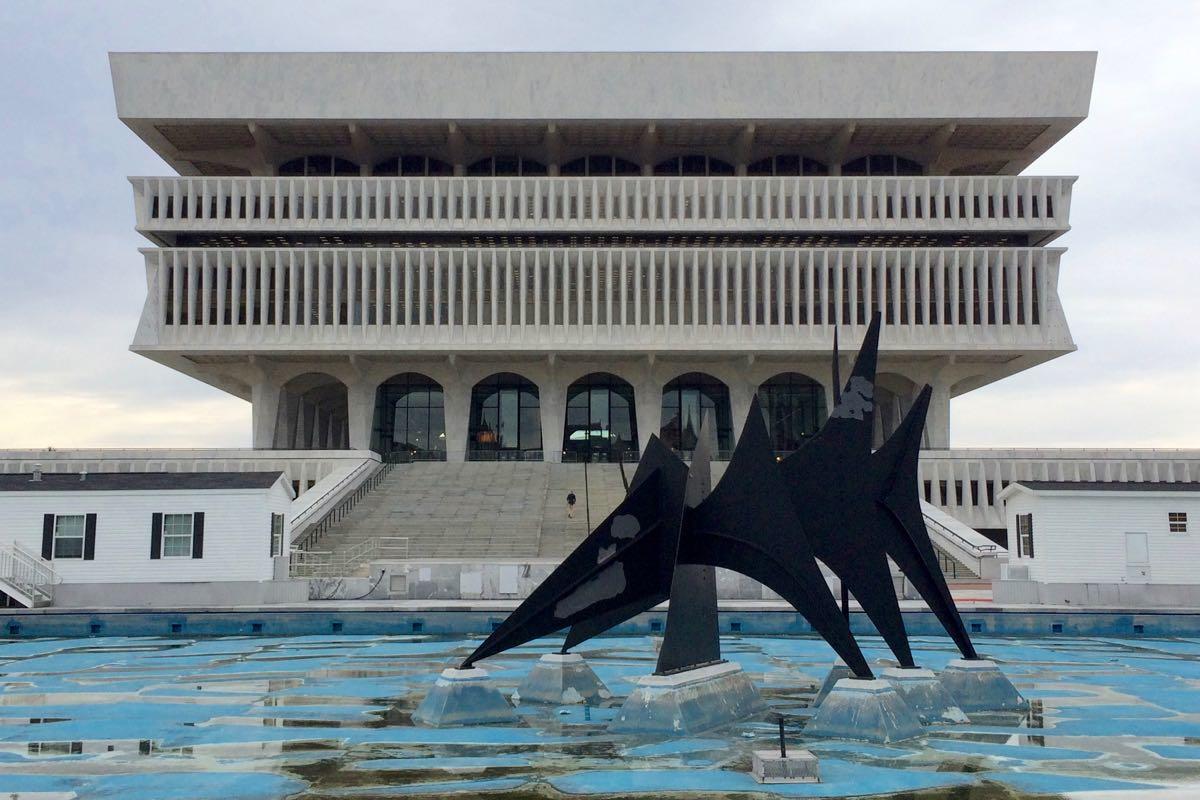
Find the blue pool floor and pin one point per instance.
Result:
(329, 716)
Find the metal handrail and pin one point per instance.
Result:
(340, 564)
(297, 522)
(504, 455)
(978, 549)
(343, 508)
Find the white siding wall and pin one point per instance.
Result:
(237, 526)
(1079, 537)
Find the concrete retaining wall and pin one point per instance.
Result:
(207, 594)
(1093, 595)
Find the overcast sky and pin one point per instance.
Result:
(73, 283)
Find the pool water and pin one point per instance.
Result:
(329, 716)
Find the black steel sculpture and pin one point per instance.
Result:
(832, 500)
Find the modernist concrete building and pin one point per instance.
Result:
(546, 256)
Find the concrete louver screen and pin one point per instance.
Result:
(832, 500)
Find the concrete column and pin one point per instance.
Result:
(264, 404)
(937, 423)
(285, 432)
(360, 397)
(457, 399)
(552, 400)
(647, 399)
(300, 436)
(740, 395)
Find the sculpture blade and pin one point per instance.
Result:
(693, 637)
(620, 560)
(827, 482)
(748, 525)
(894, 473)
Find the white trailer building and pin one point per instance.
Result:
(1108, 543)
(143, 539)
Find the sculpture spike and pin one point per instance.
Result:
(894, 472)
(692, 637)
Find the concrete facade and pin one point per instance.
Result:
(341, 219)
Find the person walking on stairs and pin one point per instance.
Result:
(570, 505)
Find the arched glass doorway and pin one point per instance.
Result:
(601, 422)
(794, 408)
(506, 423)
(684, 402)
(410, 419)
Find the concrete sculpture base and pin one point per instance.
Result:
(838, 671)
(464, 697)
(866, 710)
(688, 702)
(979, 685)
(798, 766)
(925, 695)
(562, 679)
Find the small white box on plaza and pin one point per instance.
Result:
(798, 766)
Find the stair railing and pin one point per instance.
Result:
(343, 563)
(340, 511)
(29, 573)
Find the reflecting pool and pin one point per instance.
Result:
(329, 716)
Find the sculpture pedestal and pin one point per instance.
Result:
(562, 679)
(838, 671)
(798, 766)
(464, 697)
(925, 695)
(688, 702)
(866, 710)
(979, 685)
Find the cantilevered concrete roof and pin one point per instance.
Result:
(602, 86)
(996, 109)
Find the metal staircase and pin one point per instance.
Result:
(26, 577)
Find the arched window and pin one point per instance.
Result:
(599, 166)
(787, 164)
(313, 414)
(506, 423)
(882, 165)
(794, 408)
(601, 421)
(416, 166)
(684, 402)
(693, 165)
(502, 166)
(410, 419)
(318, 166)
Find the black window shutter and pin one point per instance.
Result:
(198, 534)
(156, 536)
(48, 536)
(89, 538)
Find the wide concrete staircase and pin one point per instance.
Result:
(605, 490)
(483, 511)
(451, 511)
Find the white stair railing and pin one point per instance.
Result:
(28, 574)
(344, 563)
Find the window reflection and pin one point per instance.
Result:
(410, 418)
(601, 421)
(684, 402)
